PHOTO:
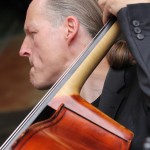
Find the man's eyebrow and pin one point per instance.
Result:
(27, 28)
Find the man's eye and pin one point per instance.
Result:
(33, 32)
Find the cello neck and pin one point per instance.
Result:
(92, 57)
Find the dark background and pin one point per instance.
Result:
(17, 96)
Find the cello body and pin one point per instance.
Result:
(68, 130)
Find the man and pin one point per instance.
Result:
(128, 101)
(55, 38)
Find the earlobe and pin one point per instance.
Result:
(72, 26)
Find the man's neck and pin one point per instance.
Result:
(94, 84)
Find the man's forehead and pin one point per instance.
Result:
(38, 2)
(35, 7)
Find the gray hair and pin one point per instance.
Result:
(87, 11)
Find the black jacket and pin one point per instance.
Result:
(126, 93)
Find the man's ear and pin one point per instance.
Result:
(71, 28)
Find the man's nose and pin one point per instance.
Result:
(25, 49)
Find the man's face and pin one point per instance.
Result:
(45, 47)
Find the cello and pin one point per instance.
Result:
(75, 124)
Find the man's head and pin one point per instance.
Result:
(56, 32)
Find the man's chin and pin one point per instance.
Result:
(43, 88)
(40, 86)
